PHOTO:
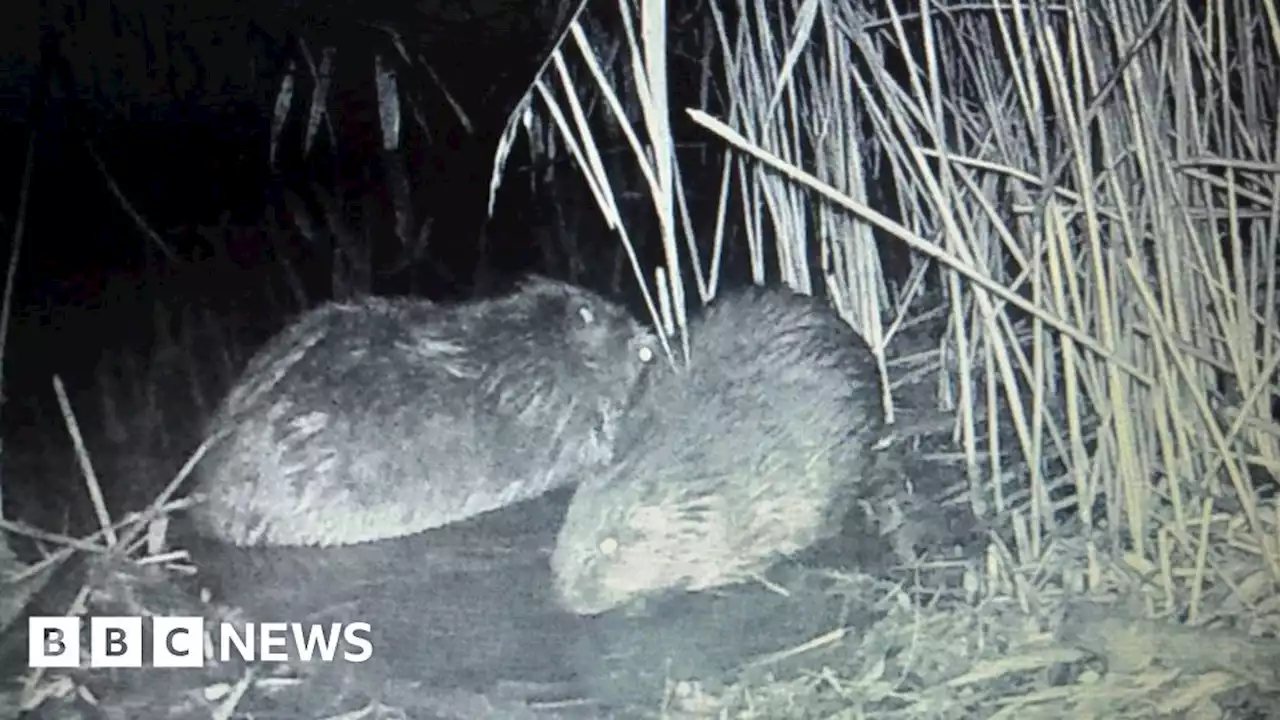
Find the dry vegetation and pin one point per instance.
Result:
(1100, 176)
(1095, 185)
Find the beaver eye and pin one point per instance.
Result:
(608, 547)
(587, 317)
(646, 354)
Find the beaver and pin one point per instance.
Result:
(384, 417)
(752, 454)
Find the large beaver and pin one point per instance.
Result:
(385, 417)
(754, 453)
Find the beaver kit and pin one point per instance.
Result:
(753, 454)
(384, 417)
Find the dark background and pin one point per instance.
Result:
(147, 117)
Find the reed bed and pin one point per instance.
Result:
(1087, 191)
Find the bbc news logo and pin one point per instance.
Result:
(181, 642)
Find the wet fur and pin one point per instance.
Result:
(752, 455)
(386, 417)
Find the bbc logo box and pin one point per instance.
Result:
(178, 642)
(115, 642)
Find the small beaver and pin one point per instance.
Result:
(753, 454)
(384, 417)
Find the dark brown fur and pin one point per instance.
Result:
(385, 417)
(751, 455)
